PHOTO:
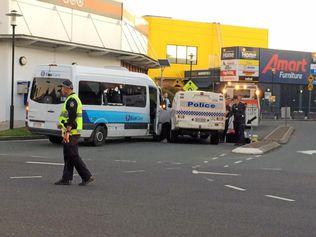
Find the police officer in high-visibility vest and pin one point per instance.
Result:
(70, 123)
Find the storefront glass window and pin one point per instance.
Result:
(181, 54)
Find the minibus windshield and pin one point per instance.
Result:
(47, 90)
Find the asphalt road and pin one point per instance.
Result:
(153, 189)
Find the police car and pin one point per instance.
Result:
(197, 113)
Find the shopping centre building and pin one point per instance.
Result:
(195, 48)
(91, 33)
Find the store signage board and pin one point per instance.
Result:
(107, 8)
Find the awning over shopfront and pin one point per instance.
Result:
(135, 59)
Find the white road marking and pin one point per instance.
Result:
(43, 163)
(226, 166)
(126, 161)
(309, 152)
(213, 173)
(210, 180)
(257, 156)
(39, 157)
(26, 177)
(214, 158)
(173, 168)
(280, 198)
(221, 155)
(250, 158)
(177, 163)
(206, 161)
(238, 162)
(236, 188)
(134, 171)
(276, 169)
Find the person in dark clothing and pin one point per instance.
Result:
(228, 102)
(239, 112)
(70, 123)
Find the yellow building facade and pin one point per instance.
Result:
(183, 42)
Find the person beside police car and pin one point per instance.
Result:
(239, 112)
(228, 115)
(70, 123)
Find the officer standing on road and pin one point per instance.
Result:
(227, 117)
(70, 123)
(239, 112)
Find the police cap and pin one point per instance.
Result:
(67, 84)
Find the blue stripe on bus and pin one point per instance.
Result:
(99, 116)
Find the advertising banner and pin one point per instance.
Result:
(229, 70)
(107, 8)
(282, 66)
(248, 53)
(248, 70)
(229, 53)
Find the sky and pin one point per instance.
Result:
(291, 23)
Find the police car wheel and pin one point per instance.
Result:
(99, 136)
(204, 136)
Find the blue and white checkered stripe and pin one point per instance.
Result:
(200, 113)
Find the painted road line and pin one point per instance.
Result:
(126, 161)
(134, 171)
(280, 198)
(235, 188)
(213, 173)
(173, 168)
(210, 180)
(176, 163)
(309, 152)
(226, 166)
(43, 163)
(206, 161)
(274, 169)
(26, 177)
(221, 155)
(214, 158)
(43, 157)
(250, 158)
(238, 162)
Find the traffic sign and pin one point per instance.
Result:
(310, 79)
(310, 87)
(190, 86)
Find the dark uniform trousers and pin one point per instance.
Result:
(239, 127)
(72, 160)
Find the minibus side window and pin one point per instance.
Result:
(90, 93)
(135, 96)
(112, 94)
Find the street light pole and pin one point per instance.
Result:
(13, 15)
(191, 62)
(272, 92)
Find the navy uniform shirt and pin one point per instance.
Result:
(239, 111)
(71, 107)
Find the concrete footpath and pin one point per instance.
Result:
(279, 135)
(6, 125)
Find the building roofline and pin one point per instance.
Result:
(135, 59)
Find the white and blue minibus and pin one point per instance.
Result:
(116, 103)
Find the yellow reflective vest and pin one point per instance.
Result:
(63, 118)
